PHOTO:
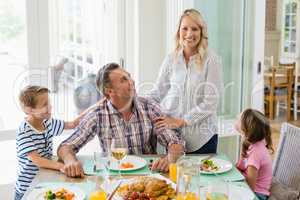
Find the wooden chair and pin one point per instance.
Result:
(279, 86)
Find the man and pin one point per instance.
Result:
(122, 116)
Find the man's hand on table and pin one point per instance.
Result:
(73, 169)
(161, 164)
(175, 151)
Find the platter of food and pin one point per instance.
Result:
(147, 188)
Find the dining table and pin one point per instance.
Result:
(94, 181)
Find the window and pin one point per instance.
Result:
(85, 36)
(289, 30)
(13, 60)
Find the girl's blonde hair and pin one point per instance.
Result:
(203, 43)
(256, 127)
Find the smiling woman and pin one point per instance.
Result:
(189, 86)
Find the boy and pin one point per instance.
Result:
(34, 136)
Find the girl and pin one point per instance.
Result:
(255, 162)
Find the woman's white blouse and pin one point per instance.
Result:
(186, 92)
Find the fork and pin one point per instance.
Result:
(114, 191)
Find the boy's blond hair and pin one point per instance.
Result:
(28, 96)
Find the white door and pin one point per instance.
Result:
(257, 17)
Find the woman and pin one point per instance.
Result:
(189, 85)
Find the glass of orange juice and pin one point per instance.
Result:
(173, 172)
(173, 156)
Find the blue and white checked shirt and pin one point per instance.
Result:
(138, 135)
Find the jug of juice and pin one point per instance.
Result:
(188, 178)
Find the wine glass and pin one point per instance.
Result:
(119, 152)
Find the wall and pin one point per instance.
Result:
(148, 37)
(273, 34)
(37, 19)
(272, 45)
(271, 15)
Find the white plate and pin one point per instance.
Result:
(138, 163)
(38, 194)
(237, 192)
(224, 166)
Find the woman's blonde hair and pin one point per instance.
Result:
(203, 43)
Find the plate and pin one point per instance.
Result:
(237, 192)
(224, 166)
(38, 194)
(138, 163)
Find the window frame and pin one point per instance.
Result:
(81, 50)
(284, 53)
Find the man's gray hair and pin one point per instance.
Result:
(102, 78)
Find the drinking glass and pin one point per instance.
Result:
(119, 152)
(217, 190)
(188, 178)
(173, 156)
(101, 160)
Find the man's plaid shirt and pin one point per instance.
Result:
(138, 135)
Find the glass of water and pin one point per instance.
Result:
(101, 162)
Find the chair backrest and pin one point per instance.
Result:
(292, 66)
(282, 77)
(286, 71)
(290, 69)
(286, 166)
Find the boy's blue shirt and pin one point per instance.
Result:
(29, 139)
